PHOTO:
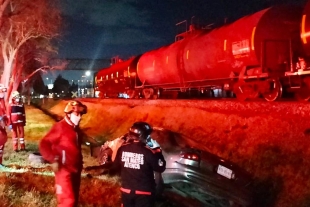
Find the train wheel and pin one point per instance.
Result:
(273, 91)
(131, 94)
(303, 94)
(148, 93)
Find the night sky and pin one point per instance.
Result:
(106, 28)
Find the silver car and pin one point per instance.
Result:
(207, 177)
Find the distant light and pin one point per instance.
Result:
(87, 73)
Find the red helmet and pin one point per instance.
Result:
(75, 106)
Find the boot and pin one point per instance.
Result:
(22, 144)
(15, 144)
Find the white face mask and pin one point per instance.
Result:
(75, 118)
(1, 95)
(17, 99)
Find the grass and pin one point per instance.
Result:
(25, 184)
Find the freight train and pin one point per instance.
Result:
(265, 54)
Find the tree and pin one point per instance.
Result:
(25, 22)
(3, 6)
(38, 85)
(61, 86)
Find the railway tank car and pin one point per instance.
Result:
(119, 80)
(262, 54)
(247, 57)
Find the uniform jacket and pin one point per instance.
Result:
(16, 112)
(138, 163)
(63, 143)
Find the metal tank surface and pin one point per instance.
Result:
(117, 79)
(262, 40)
(305, 28)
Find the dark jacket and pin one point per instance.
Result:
(138, 163)
(63, 143)
(16, 112)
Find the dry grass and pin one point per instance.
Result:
(28, 185)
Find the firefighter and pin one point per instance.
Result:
(137, 163)
(61, 147)
(17, 121)
(3, 123)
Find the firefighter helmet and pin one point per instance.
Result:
(140, 130)
(15, 94)
(76, 106)
(2, 88)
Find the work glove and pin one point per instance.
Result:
(55, 167)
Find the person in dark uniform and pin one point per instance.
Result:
(138, 162)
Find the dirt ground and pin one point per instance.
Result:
(270, 140)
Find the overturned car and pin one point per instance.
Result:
(191, 172)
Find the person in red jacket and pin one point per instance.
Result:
(3, 123)
(17, 120)
(61, 147)
(138, 160)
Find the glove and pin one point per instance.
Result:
(151, 143)
(55, 167)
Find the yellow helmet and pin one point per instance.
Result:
(15, 94)
(75, 106)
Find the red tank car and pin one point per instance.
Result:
(305, 28)
(248, 57)
(119, 80)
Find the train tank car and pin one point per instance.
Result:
(250, 57)
(119, 80)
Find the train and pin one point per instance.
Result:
(262, 55)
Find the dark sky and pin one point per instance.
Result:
(106, 28)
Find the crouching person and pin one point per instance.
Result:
(138, 162)
(61, 147)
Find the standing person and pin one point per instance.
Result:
(138, 162)
(3, 123)
(61, 147)
(17, 120)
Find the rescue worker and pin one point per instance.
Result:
(3, 123)
(137, 163)
(61, 147)
(17, 121)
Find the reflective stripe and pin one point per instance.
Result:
(21, 140)
(63, 160)
(143, 192)
(125, 190)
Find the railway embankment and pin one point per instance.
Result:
(270, 140)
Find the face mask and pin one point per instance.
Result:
(1, 95)
(75, 119)
(17, 99)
